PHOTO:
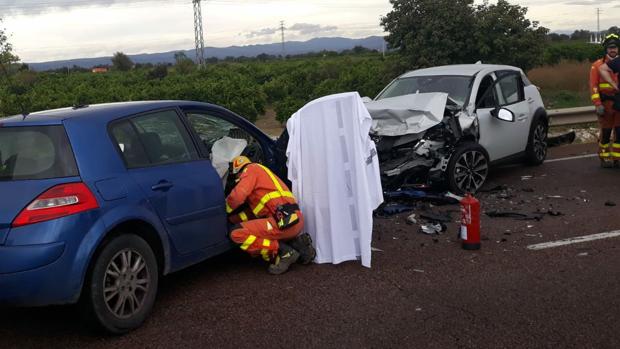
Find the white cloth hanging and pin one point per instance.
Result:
(334, 170)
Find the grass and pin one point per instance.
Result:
(564, 85)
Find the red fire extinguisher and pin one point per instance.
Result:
(470, 223)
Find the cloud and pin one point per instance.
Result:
(590, 2)
(306, 28)
(297, 28)
(30, 7)
(261, 32)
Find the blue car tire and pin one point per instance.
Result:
(121, 287)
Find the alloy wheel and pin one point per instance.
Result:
(126, 283)
(471, 171)
(539, 140)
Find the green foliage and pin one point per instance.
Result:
(287, 107)
(122, 62)
(431, 32)
(183, 64)
(438, 32)
(15, 79)
(159, 72)
(572, 50)
(504, 36)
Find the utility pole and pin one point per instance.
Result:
(198, 37)
(282, 30)
(598, 25)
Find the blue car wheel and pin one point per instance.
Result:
(121, 288)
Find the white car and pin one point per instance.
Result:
(446, 125)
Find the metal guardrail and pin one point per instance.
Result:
(571, 116)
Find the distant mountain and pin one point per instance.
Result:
(291, 47)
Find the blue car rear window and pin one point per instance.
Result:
(35, 152)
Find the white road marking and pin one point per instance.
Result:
(575, 240)
(572, 158)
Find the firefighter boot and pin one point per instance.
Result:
(604, 155)
(286, 256)
(303, 244)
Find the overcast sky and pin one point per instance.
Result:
(43, 30)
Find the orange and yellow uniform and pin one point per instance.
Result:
(602, 94)
(263, 192)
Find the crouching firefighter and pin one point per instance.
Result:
(267, 219)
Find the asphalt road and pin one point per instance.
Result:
(422, 291)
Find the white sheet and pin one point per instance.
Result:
(334, 170)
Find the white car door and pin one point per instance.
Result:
(504, 138)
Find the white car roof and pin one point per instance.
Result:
(458, 69)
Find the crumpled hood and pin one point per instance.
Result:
(408, 114)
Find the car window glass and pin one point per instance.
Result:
(486, 96)
(457, 87)
(511, 89)
(211, 129)
(129, 145)
(164, 137)
(35, 152)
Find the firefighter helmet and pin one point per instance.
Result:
(239, 162)
(611, 39)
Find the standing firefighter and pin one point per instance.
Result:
(266, 214)
(603, 98)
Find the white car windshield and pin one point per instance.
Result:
(457, 87)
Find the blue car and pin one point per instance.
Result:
(97, 202)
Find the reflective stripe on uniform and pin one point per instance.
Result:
(604, 85)
(243, 216)
(228, 208)
(272, 195)
(596, 96)
(265, 252)
(615, 150)
(265, 199)
(248, 242)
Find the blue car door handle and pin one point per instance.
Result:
(163, 185)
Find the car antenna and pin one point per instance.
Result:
(5, 71)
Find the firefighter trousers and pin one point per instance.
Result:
(609, 149)
(260, 236)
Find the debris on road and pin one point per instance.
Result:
(432, 228)
(391, 209)
(411, 219)
(610, 203)
(515, 215)
(566, 138)
(436, 217)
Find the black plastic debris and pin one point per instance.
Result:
(566, 138)
(436, 217)
(610, 203)
(419, 195)
(516, 215)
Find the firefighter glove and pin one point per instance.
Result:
(600, 110)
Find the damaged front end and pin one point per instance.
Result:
(410, 159)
